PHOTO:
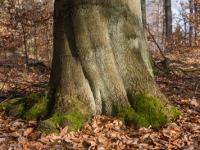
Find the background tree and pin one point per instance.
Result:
(168, 21)
(191, 5)
(144, 17)
(168, 17)
(197, 20)
(155, 20)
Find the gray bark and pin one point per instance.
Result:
(100, 53)
(168, 17)
(143, 8)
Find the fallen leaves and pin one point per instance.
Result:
(102, 133)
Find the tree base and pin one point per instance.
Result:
(143, 111)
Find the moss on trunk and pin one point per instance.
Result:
(146, 110)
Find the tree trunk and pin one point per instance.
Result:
(25, 44)
(168, 23)
(197, 19)
(168, 17)
(191, 3)
(144, 16)
(101, 64)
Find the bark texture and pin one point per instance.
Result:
(168, 17)
(191, 4)
(100, 59)
(144, 16)
(99, 53)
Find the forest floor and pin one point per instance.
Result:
(181, 86)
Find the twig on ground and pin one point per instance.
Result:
(4, 83)
(166, 60)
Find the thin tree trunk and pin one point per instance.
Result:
(168, 22)
(25, 44)
(163, 27)
(185, 29)
(144, 16)
(168, 17)
(191, 3)
(197, 19)
(35, 44)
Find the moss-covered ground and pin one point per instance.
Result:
(35, 107)
(32, 107)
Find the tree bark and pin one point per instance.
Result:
(144, 16)
(191, 4)
(197, 19)
(100, 60)
(168, 17)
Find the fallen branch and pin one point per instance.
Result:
(166, 60)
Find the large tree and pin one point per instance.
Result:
(100, 66)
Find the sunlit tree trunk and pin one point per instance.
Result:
(100, 60)
(99, 52)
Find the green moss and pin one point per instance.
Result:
(31, 100)
(48, 126)
(76, 119)
(20, 109)
(73, 117)
(11, 103)
(14, 107)
(154, 67)
(176, 113)
(145, 111)
(35, 107)
(126, 113)
(58, 91)
(151, 110)
(31, 107)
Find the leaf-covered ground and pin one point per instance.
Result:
(182, 88)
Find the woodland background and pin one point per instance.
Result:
(26, 46)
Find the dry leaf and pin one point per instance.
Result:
(28, 131)
(15, 134)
